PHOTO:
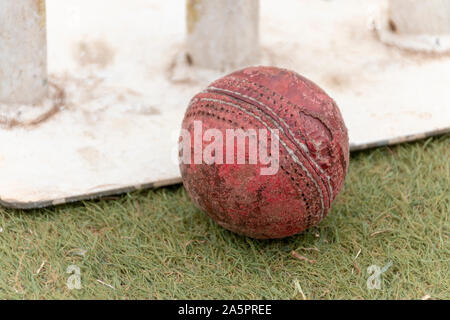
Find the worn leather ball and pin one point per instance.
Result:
(313, 152)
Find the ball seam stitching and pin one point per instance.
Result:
(290, 135)
(289, 150)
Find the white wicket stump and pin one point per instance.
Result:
(119, 83)
(23, 52)
(232, 27)
(415, 25)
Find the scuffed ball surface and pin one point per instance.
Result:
(313, 153)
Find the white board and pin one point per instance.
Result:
(126, 84)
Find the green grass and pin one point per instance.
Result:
(156, 245)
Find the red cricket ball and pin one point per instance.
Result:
(264, 152)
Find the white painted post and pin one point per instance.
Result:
(23, 51)
(419, 17)
(223, 34)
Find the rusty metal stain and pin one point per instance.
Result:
(192, 14)
(42, 12)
